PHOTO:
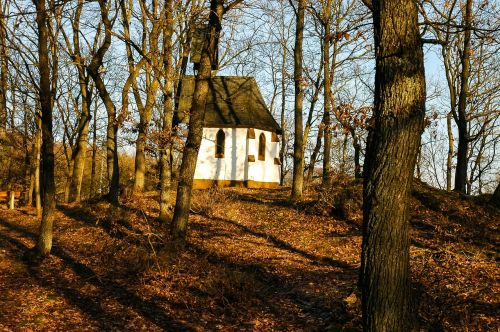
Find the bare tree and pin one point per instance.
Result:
(82, 131)
(46, 92)
(197, 114)
(94, 70)
(166, 137)
(298, 145)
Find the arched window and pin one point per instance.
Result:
(262, 147)
(220, 143)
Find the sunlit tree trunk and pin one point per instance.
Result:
(166, 139)
(44, 243)
(92, 191)
(37, 159)
(3, 73)
(393, 143)
(283, 111)
(112, 125)
(298, 144)
(190, 154)
(80, 148)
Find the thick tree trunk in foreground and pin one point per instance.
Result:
(197, 114)
(399, 109)
(298, 144)
(166, 139)
(44, 243)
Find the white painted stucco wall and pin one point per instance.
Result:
(235, 165)
(263, 170)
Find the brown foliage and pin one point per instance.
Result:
(254, 261)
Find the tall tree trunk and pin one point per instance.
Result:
(112, 126)
(394, 139)
(282, 115)
(166, 139)
(3, 73)
(327, 154)
(197, 114)
(44, 243)
(298, 144)
(463, 139)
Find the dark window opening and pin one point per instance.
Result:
(262, 147)
(220, 142)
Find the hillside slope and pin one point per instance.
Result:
(254, 262)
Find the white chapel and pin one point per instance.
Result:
(240, 145)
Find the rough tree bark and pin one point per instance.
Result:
(283, 112)
(461, 117)
(112, 126)
(80, 150)
(3, 74)
(165, 148)
(394, 139)
(327, 94)
(36, 165)
(298, 144)
(151, 19)
(44, 243)
(92, 189)
(197, 114)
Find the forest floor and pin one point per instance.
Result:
(254, 261)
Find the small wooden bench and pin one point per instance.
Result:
(10, 197)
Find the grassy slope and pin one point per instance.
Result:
(253, 263)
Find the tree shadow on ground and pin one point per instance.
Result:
(107, 290)
(114, 223)
(456, 223)
(275, 291)
(278, 243)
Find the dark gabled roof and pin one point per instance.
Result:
(232, 102)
